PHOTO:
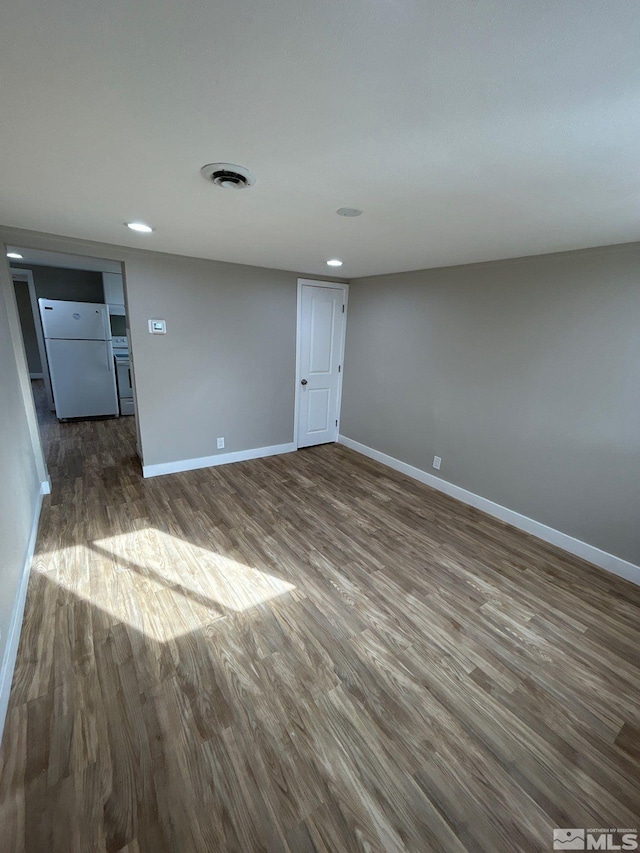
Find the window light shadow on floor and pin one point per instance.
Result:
(160, 584)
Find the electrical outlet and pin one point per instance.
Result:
(220, 443)
(437, 462)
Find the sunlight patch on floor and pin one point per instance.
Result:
(160, 584)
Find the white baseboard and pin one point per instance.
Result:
(45, 487)
(604, 560)
(15, 626)
(218, 459)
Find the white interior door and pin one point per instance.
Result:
(321, 325)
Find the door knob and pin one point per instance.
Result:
(304, 382)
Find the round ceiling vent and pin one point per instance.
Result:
(228, 175)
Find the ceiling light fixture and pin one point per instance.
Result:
(140, 227)
(228, 176)
(348, 211)
(15, 255)
(334, 262)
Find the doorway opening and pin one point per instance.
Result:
(321, 327)
(74, 325)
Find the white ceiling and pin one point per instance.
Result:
(466, 130)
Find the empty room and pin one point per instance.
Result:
(319, 426)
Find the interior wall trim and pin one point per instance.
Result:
(602, 559)
(219, 459)
(15, 626)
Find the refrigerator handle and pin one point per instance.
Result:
(107, 334)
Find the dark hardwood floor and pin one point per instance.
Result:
(307, 652)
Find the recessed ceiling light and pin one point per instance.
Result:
(334, 262)
(139, 226)
(16, 255)
(348, 211)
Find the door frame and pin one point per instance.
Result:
(27, 276)
(336, 285)
(60, 246)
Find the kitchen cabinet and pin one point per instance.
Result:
(113, 291)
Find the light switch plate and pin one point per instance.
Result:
(158, 327)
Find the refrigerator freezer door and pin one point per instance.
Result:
(83, 378)
(87, 321)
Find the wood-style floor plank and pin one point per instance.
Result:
(306, 653)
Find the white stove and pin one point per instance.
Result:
(122, 359)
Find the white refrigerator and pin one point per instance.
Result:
(78, 343)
